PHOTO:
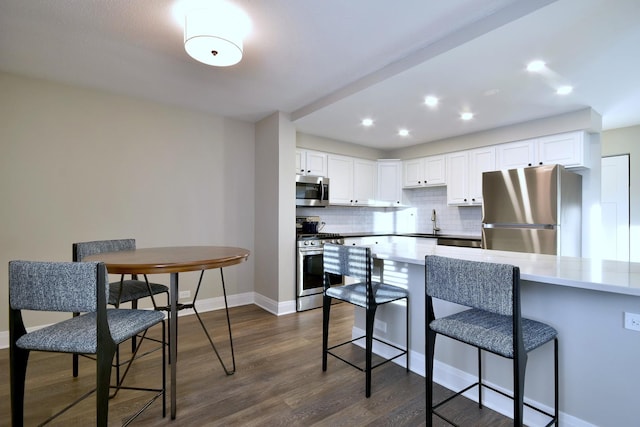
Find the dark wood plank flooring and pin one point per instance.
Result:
(279, 381)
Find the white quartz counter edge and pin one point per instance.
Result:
(584, 273)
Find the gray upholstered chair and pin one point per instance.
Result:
(123, 291)
(493, 323)
(72, 287)
(355, 262)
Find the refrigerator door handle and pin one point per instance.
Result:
(531, 226)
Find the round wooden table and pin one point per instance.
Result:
(173, 260)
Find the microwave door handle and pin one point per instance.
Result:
(321, 190)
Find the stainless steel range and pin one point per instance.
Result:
(309, 270)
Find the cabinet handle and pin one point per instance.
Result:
(540, 163)
(465, 200)
(529, 164)
(473, 200)
(419, 182)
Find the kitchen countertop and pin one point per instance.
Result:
(424, 235)
(584, 273)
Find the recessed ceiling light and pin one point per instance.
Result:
(564, 90)
(403, 132)
(431, 101)
(367, 122)
(466, 116)
(536, 66)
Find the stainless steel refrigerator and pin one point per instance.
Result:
(535, 210)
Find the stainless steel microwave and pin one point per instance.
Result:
(312, 191)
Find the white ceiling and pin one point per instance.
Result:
(330, 63)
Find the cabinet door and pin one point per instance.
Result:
(567, 149)
(389, 181)
(480, 160)
(514, 155)
(364, 182)
(435, 170)
(457, 178)
(316, 163)
(413, 173)
(300, 162)
(340, 172)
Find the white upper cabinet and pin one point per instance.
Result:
(458, 178)
(390, 182)
(365, 182)
(353, 181)
(480, 160)
(464, 175)
(513, 155)
(569, 149)
(340, 173)
(424, 172)
(311, 163)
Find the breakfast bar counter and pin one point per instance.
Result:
(584, 273)
(585, 300)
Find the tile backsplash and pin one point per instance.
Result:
(414, 219)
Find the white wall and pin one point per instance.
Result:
(79, 164)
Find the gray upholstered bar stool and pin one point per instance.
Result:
(74, 287)
(493, 323)
(122, 291)
(355, 262)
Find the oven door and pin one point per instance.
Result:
(310, 272)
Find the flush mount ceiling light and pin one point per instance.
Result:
(214, 36)
(466, 116)
(536, 66)
(403, 132)
(367, 122)
(431, 101)
(564, 90)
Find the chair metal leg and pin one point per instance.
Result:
(370, 315)
(429, 353)
(134, 306)
(519, 367)
(103, 378)
(75, 358)
(326, 313)
(555, 381)
(407, 332)
(479, 378)
(18, 372)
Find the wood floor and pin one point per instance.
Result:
(279, 381)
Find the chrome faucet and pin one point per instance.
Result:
(433, 220)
